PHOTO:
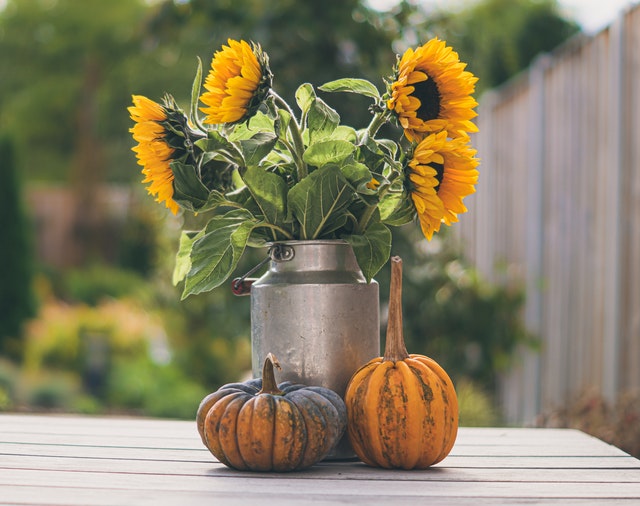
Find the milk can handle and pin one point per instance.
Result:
(277, 252)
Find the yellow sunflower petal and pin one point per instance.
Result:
(233, 82)
(441, 173)
(443, 101)
(152, 151)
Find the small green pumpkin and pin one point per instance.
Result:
(261, 426)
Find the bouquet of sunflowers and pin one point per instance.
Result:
(265, 174)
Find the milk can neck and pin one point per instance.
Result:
(327, 255)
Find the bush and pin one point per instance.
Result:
(52, 392)
(477, 407)
(153, 389)
(98, 282)
(8, 384)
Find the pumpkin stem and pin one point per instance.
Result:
(269, 385)
(395, 348)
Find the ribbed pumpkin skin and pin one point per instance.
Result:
(402, 409)
(402, 414)
(249, 430)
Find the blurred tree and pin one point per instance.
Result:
(66, 67)
(17, 301)
(306, 41)
(497, 38)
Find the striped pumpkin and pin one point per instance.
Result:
(402, 409)
(261, 426)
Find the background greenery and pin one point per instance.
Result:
(110, 333)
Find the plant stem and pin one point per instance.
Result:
(284, 232)
(269, 385)
(296, 135)
(365, 218)
(384, 188)
(395, 348)
(379, 119)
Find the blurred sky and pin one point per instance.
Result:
(592, 15)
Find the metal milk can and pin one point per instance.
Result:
(314, 310)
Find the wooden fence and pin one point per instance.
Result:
(558, 210)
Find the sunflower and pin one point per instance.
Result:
(432, 92)
(237, 83)
(153, 151)
(441, 172)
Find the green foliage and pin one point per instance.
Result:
(162, 390)
(8, 384)
(86, 59)
(300, 178)
(17, 302)
(53, 392)
(97, 282)
(500, 38)
(139, 246)
(210, 334)
(111, 356)
(476, 406)
(66, 66)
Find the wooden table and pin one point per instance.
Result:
(75, 460)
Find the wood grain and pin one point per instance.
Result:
(94, 461)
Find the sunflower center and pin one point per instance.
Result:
(439, 168)
(429, 95)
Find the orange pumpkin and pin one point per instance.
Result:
(261, 426)
(402, 409)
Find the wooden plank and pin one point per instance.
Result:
(148, 428)
(115, 461)
(135, 464)
(54, 475)
(163, 450)
(312, 488)
(96, 497)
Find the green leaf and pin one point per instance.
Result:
(305, 97)
(360, 86)
(325, 152)
(195, 94)
(215, 254)
(183, 257)
(322, 121)
(396, 209)
(216, 199)
(281, 125)
(372, 249)
(257, 147)
(319, 119)
(356, 173)
(270, 193)
(191, 194)
(220, 148)
(259, 122)
(188, 190)
(319, 200)
(345, 133)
